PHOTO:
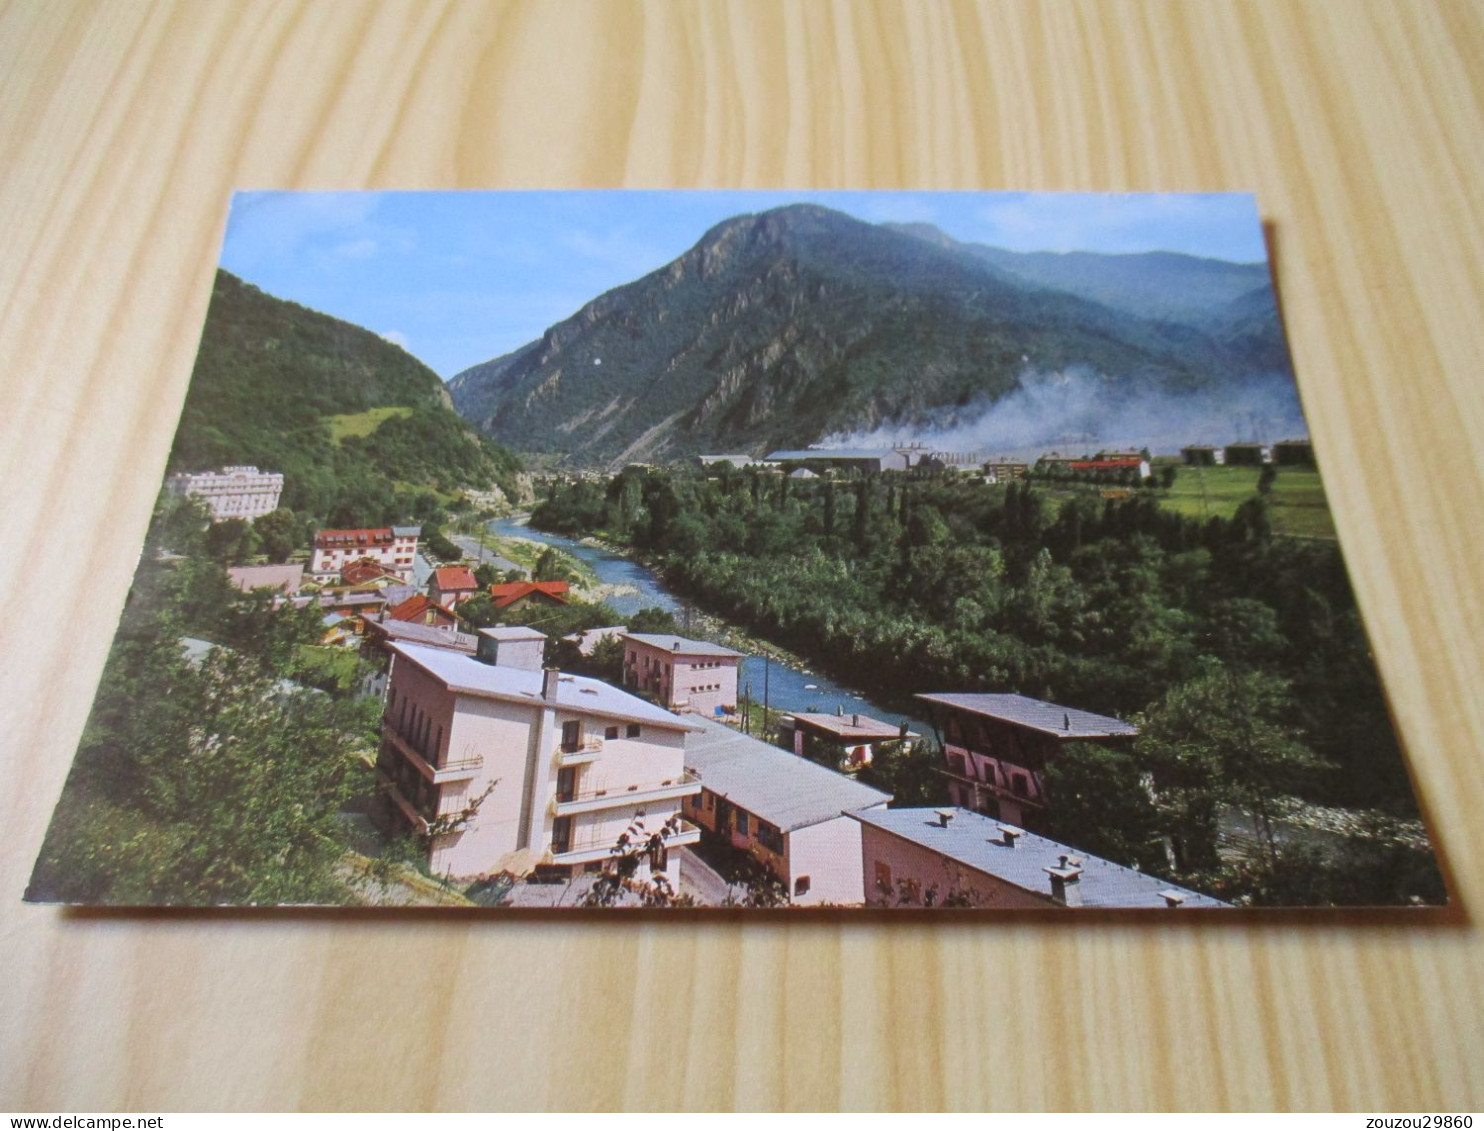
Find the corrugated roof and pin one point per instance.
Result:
(679, 645)
(577, 693)
(1048, 718)
(977, 842)
(780, 787)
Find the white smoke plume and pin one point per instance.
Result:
(1077, 410)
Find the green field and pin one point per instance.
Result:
(364, 423)
(1299, 507)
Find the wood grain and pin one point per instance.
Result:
(125, 126)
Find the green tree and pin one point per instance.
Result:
(1224, 739)
(280, 533)
(1100, 801)
(231, 541)
(204, 785)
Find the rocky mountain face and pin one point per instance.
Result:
(780, 328)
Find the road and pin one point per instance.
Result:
(481, 555)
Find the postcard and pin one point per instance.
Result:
(741, 549)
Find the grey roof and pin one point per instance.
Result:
(516, 632)
(850, 726)
(286, 577)
(407, 531)
(465, 674)
(776, 785)
(978, 842)
(1035, 714)
(679, 645)
(833, 453)
(407, 632)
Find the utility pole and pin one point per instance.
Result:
(767, 670)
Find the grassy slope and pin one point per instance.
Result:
(364, 423)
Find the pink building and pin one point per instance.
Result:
(394, 548)
(997, 748)
(504, 766)
(682, 674)
(957, 858)
(451, 585)
(785, 812)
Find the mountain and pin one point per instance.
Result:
(779, 328)
(1158, 285)
(349, 418)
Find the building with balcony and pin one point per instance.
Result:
(997, 748)
(786, 812)
(957, 858)
(502, 766)
(233, 492)
(681, 674)
(851, 740)
(394, 548)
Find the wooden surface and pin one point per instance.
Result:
(124, 127)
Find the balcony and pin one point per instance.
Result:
(407, 809)
(983, 789)
(683, 784)
(590, 849)
(461, 770)
(579, 753)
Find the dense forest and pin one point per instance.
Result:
(364, 433)
(1240, 654)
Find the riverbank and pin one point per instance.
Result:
(790, 681)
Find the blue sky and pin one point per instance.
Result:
(457, 278)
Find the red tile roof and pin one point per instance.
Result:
(351, 539)
(509, 592)
(448, 579)
(363, 570)
(415, 610)
(1103, 464)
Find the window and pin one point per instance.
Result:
(1020, 784)
(883, 877)
(610, 732)
(769, 837)
(801, 885)
(634, 730)
(742, 821)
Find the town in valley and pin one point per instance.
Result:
(381, 650)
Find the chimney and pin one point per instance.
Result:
(1065, 886)
(1172, 898)
(855, 720)
(675, 647)
(549, 677)
(944, 816)
(1011, 834)
(902, 732)
(1066, 721)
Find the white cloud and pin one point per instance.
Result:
(397, 338)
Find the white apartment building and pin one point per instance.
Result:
(233, 492)
(394, 548)
(560, 766)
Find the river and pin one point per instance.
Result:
(786, 687)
